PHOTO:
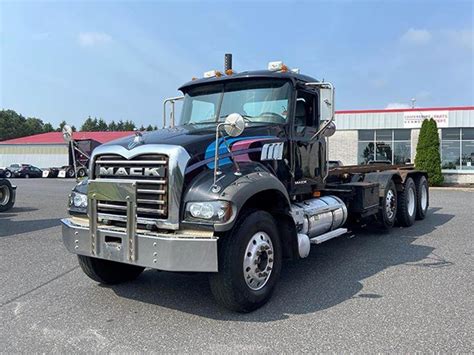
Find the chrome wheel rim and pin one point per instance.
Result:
(4, 195)
(411, 201)
(390, 207)
(258, 261)
(424, 197)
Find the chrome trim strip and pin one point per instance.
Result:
(132, 162)
(151, 192)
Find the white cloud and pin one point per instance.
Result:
(461, 38)
(396, 105)
(88, 39)
(416, 36)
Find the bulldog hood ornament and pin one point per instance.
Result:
(137, 140)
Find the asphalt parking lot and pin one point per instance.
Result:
(405, 291)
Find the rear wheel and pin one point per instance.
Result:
(249, 263)
(108, 272)
(6, 195)
(407, 202)
(388, 206)
(81, 173)
(70, 173)
(27, 176)
(422, 198)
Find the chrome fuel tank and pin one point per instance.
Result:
(319, 215)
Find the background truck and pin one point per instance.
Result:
(79, 151)
(7, 195)
(241, 183)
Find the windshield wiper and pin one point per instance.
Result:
(201, 122)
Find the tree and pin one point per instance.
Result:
(14, 125)
(428, 157)
(11, 125)
(112, 126)
(48, 127)
(101, 125)
(90, 125)
(61, 126)
(128, 126)
(120, 126)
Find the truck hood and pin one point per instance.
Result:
(196, 139)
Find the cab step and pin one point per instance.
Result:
(329, 235)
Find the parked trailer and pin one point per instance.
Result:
(241, 183)
(79, 154)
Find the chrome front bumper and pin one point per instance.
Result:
(185, 251)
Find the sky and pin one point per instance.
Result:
(119, 60)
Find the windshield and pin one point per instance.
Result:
(260, 101)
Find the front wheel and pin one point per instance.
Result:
(250, 261)
(108, 272)
(8, 174)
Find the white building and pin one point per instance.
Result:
(369, 135)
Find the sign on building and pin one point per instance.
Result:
(414, 119)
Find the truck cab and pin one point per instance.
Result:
(237, 184)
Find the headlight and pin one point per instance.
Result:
(78, 199)
(213, 211)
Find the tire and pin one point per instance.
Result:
(27, 176)
(407, 201)
(8, 174)
(6, 195)
(108, 272)
(70, 173)
(81, 173)
(232, 286)
(388, 206)
(422, 200)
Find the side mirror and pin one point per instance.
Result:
(234, 125)
(326, 103)
(67, 133)
(327, 129)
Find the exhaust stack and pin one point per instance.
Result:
(228, 63)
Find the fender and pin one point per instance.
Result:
(236, 189)
(383, 178)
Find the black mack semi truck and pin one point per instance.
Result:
(238, 184)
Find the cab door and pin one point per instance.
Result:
(309, 156)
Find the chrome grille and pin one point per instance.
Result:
(152, 191)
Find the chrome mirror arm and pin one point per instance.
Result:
(172, 101)
(327, 102)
